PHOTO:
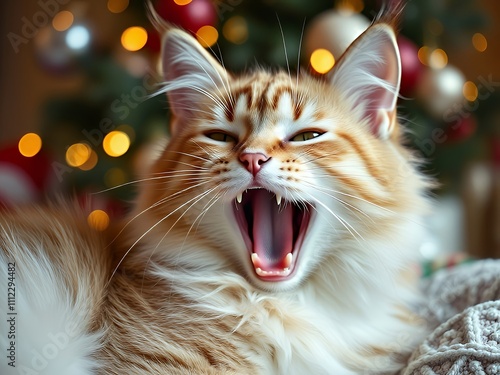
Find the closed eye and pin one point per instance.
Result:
(305, 136)
(221, 137)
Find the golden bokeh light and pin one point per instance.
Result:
(116, 143)
(78, 154)
(127, 129)
(322, 60)
(207, 36)
(115, 177)
(438, 59)
(91, 162)
(134, 38)
(182, 2)
(30, 144)
(63, 20)
(479, 42)
(423, 55)
(435, 26)
(355, 6)
(117, 6)
(98, 219)
(470, 91)
(235, 30)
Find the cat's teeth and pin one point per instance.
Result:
(261, 272)
(288, 260)
(239, 197)
(278, 199)
(255, 259)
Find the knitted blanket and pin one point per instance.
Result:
(463, 309)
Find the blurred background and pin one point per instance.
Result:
(76, 77)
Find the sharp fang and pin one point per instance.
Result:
(278, 199)
(239, 197)
(288, 260)
(255, 259)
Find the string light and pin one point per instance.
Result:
(91, 162)
(423, 55)
(30, 144)
(207, 36)
(470, 91)
(134, 38)
(322, 60)
(435, 26)
(438, 59)
(235, 30)
(98, 219)
(116, 143)
(114, 177)
(127, 129)
(117, 6)
(355, 6)
(78, 37)
(78, 154)
(479, 42)
(63, 20)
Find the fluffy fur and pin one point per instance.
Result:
(184, 296)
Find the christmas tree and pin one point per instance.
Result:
(96, 138)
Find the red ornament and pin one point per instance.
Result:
(23, 179)
(461, 130)
(411, 66)
(154, 41)
(191, 17)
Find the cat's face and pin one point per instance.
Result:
(277, 173)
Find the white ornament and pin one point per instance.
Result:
(334, 31)
(441, 90)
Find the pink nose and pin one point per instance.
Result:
(253, 161)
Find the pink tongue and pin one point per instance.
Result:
(272, 230)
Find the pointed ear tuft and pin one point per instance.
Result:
(368, 77)
(190, 74)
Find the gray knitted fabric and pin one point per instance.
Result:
(463, 309)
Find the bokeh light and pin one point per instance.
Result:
(78, 37)
(78, 154)
(235, 30)
(115, 177)
(30, 144)
(63, 20)
(470, 91)
(116, 143)
(207, 36)
(182, 2)
(91, 162)
(438, 59)
(117, 6)
(127, 129)
(479, 42)
(423, 55)
(98, 219)
(134, 38)
(322, 60)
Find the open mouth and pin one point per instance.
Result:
(273, 230)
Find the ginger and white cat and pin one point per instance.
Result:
(272, 235)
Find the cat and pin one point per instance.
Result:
(276, 233)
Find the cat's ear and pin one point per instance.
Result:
(368, 75)
(190, 74)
